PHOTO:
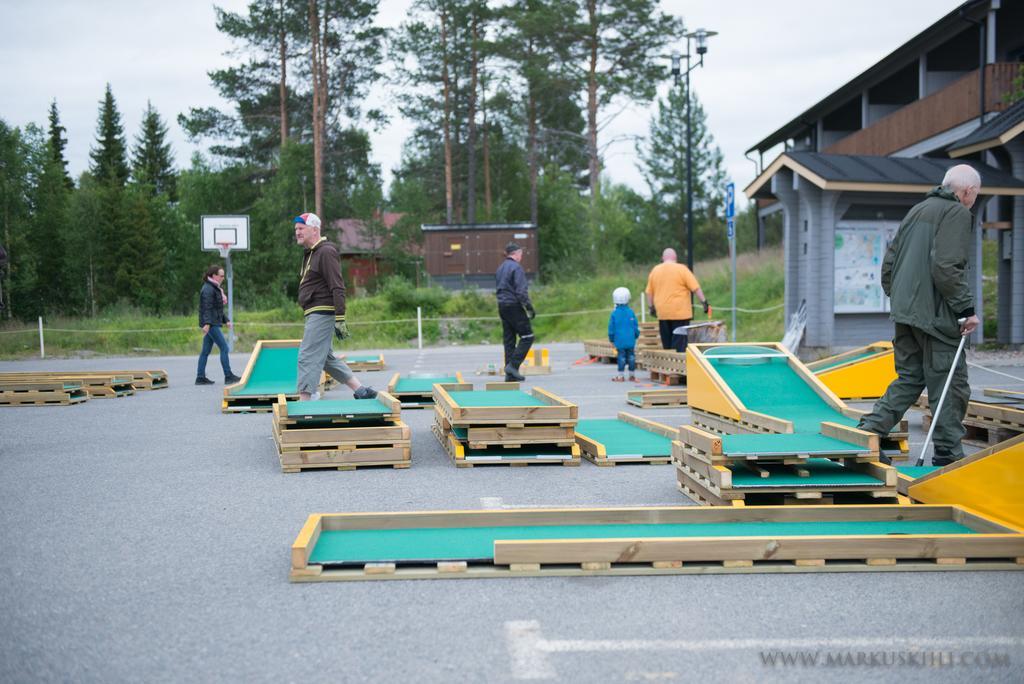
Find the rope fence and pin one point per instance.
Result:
(419, 321)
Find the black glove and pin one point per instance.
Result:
(530, 313)
(341, 329)
(652, 311)
(707, 306)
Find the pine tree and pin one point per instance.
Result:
(621, 43)
(109, 157)
(152, 160)
(663, 164)
(58, 142)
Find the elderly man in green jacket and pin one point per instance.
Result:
(924, 273)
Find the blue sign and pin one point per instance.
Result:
(730, 202)
(730, 228)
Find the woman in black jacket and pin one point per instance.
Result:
(211, 317)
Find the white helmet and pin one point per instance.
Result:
(620, 295)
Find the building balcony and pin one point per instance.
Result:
(955, 104)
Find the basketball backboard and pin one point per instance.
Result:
(225, 230)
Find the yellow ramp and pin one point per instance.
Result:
(991, 481)
(863, 373)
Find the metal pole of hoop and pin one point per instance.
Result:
(225, 252)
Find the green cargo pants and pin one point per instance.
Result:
(923, 361)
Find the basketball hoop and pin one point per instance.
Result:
(224, 248)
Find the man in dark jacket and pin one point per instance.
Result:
(322, 298)
(515, 310)
(924, 273)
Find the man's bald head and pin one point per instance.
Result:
(669, 255)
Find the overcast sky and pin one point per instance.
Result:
(770, 62)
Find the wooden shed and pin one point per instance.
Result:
(463, 254)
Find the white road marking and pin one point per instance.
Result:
(528, 650)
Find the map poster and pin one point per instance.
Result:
(858, 261)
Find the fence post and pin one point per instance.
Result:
(643, 307)
(42, 347)
(419, 327)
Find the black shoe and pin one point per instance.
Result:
(365, 392)
(203, 380)
(231, 378)
(509, 378)
(513, 372)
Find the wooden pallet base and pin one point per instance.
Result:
(347, 466)
(398, 455)
(667, 378)
(448, 443)
(316, 573)
(979, 433)
(702, 490)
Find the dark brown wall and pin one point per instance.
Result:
(475, 252)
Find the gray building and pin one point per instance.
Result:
(844, 172)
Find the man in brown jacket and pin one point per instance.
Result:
(322, 298)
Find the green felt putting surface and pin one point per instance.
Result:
(477, 543)
(786, 445)
(494, 398)
(823, 473)
(337, 407)
(519, 453)
(275, 372)
(624, 439)
(915, 472)
(422, 384)
(850, 359)
(771, 387)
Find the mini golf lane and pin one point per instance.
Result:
(340, 547)
(422, 384)
(493, 398)
(622, 439)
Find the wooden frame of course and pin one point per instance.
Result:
(553, 409)
(342, 441)
(666, 366)
(735, 540)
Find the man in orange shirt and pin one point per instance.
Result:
(669, 288)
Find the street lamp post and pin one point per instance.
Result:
(700, 36)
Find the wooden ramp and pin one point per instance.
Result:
(862, 373)
(766, 431)
(272, 371)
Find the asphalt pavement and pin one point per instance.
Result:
(147, 538)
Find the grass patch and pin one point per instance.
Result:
(387, 320)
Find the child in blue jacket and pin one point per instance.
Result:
(623, 331)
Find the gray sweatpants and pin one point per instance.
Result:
(315, 354)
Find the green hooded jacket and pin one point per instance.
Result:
(924, 272)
